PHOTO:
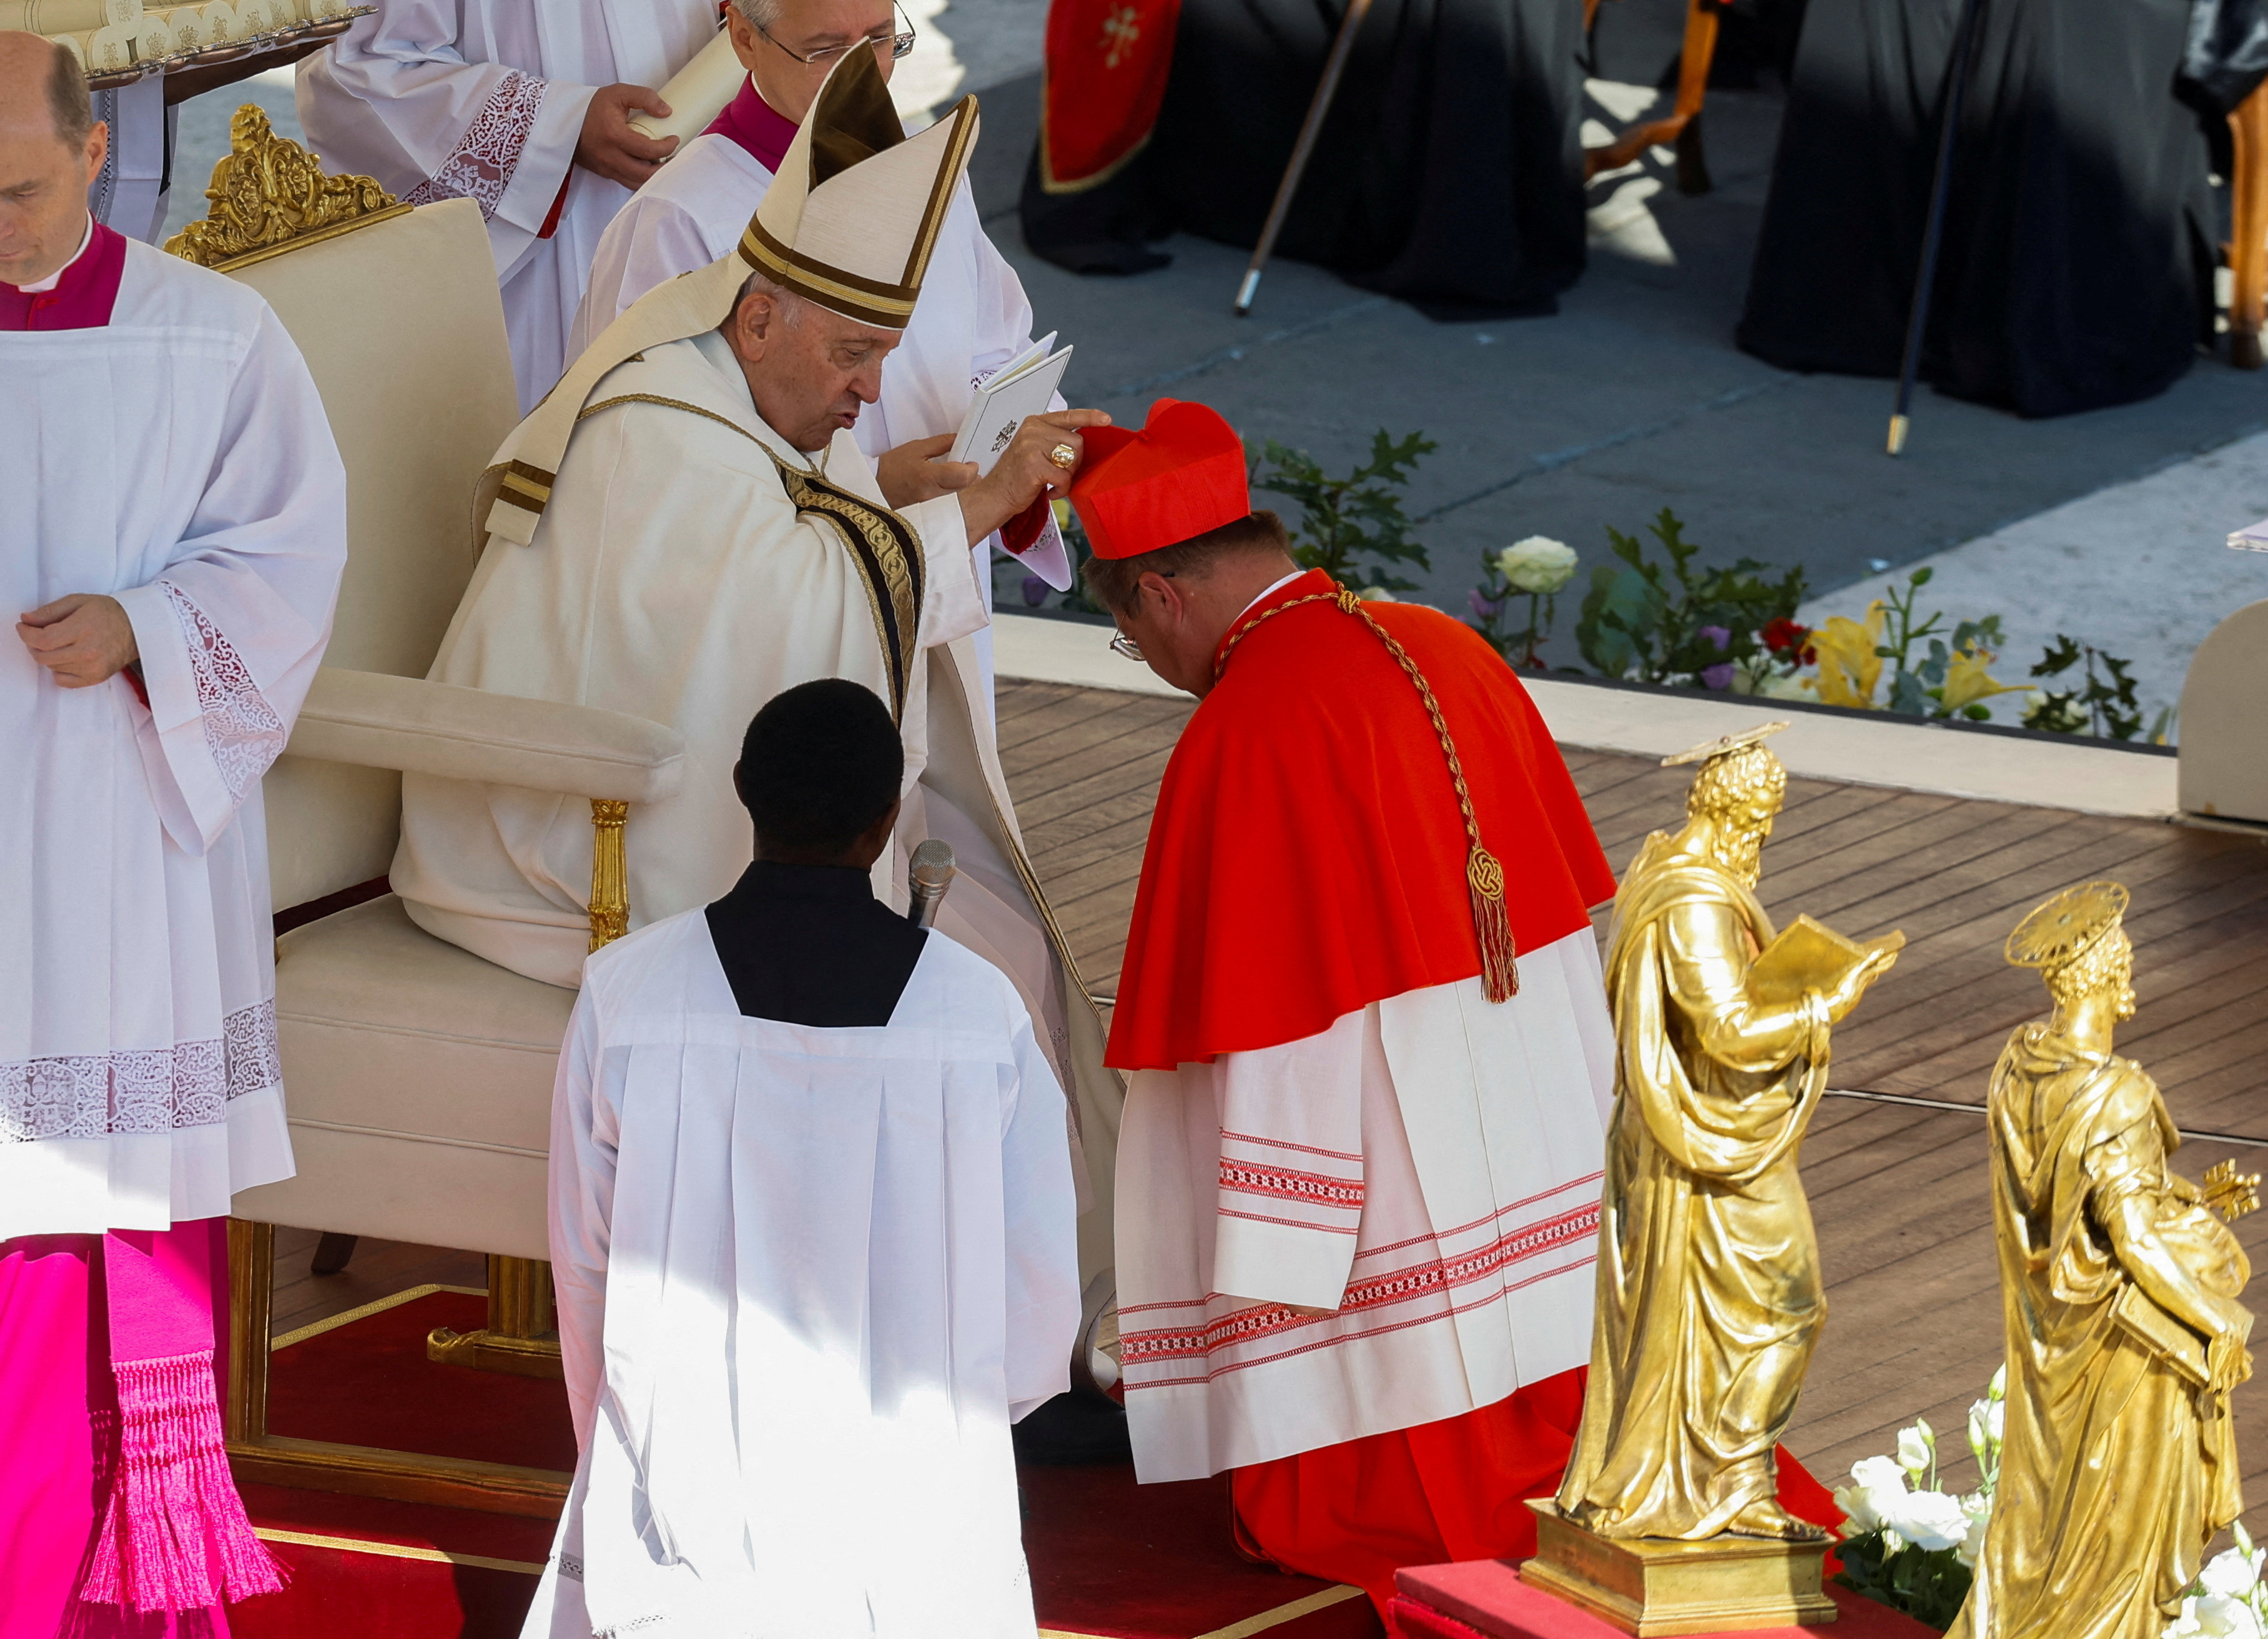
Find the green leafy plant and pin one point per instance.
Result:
(2102, 703)
(1676, 621)
(1352, 528)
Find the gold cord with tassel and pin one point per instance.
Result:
(1483, 876)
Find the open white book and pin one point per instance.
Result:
(1020, 388)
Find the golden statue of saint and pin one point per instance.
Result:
(2118, 1286)
(1709, 1291)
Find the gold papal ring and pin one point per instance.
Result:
(1064, 456)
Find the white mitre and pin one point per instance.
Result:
(849, 224)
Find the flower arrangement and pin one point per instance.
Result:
(1354, 529)
(1907, 1544)
(2226, 1601)
(1535, 568)
(1675, 622)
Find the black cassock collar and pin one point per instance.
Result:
(810, 944)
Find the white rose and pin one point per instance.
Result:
(1928, 1519)
(1375, 595)
(1878, 1473)
(1978, 1507)
(2230, 1574)
(1914, 1454)
(1857, 1502)
(1537, 564)
(2219, 1617)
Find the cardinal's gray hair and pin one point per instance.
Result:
(759, 14)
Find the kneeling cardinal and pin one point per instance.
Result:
(1371, 1062)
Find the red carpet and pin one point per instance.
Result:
(1109, 1558)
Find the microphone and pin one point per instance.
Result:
(927, 877)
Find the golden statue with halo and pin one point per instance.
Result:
(2118, 1286)
(1710, 1296)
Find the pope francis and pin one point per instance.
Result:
(685, 527)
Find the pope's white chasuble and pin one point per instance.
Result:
(806, 1278)
(179, 460)
(688, 565)
(484, 99)
(973, 316)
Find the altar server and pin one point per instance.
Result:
(687, 527)
(973, 317)
(522, 106)
(172, 538)
(1362, 1009)
(811, 1228)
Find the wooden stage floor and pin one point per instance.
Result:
(1899, 1190)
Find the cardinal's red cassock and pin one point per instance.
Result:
(1327, 1112)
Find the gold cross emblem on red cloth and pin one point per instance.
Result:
(1119, 32)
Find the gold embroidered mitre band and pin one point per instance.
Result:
(851, 220)
(849, 224)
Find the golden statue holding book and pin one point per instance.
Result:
(1710, 1296)
(2119, 1287)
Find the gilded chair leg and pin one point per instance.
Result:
(520, 1337)
(251, 1302)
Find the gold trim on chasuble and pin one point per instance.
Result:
(888, 556)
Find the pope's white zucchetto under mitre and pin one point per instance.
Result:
(849, 224)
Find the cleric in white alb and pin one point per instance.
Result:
(687, 527)
(811, 1228)
(973, 316)
(520, 106)
(173, 527)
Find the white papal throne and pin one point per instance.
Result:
(417, 1077)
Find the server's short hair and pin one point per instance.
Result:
(1111, 581)
(68, 102)
(819, 765)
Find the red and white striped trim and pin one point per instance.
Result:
(1246, 1177)
(1436, 1275)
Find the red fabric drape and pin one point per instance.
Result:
(1456, 1489)
(1307, 858)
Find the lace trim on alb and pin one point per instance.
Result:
(480, 167)
(154, 1089)
(242, 730)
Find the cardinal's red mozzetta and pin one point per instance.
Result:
(1358, 1197)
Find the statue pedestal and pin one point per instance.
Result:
(1650, 1585)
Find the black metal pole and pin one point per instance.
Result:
(1933, 240)
(1334, 66)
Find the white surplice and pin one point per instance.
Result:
(806, 1278)
(179, 460)
(1428, 1168)
(484, 99)
(973, 316)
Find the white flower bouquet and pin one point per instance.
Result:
(1907, 1544)
(2226, 1601)
(1535, 568)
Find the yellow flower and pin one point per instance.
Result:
(1966, 683)
(1849, 668)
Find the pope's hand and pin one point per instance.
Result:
(609, 145)
(912, 473)
(84, 638)
(1040, 459)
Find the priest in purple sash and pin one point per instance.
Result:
(172, 526)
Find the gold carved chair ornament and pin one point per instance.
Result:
(417, 1076)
